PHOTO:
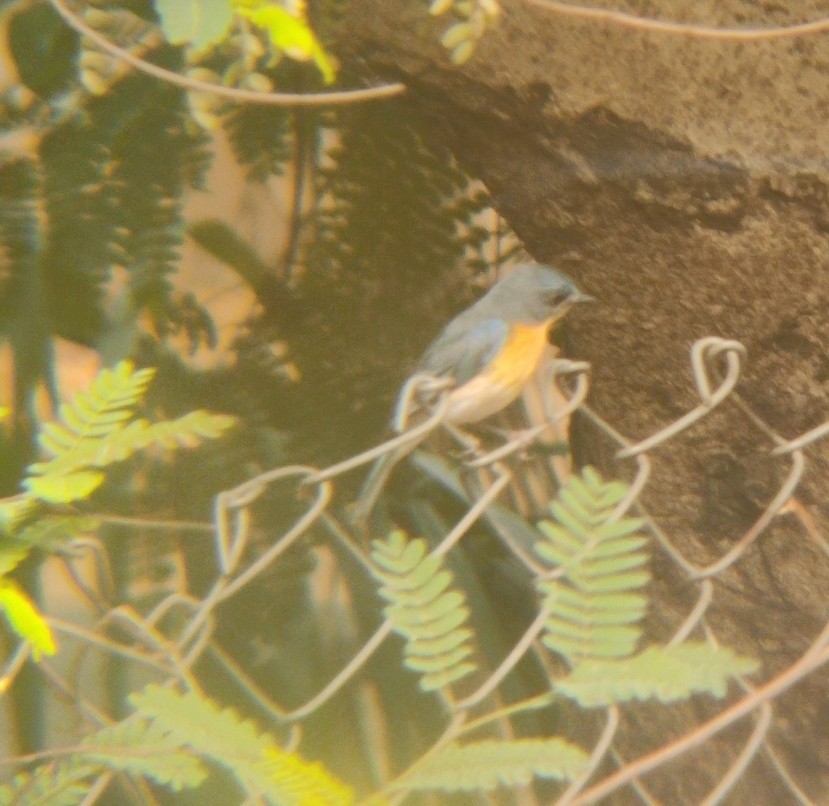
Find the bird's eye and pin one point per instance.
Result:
(559, 298)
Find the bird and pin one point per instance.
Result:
(486, 355)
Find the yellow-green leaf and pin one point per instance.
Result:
(305, 782)
(289, 33)
(25, 620)
(61, 489)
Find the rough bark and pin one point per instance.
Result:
(683, 182)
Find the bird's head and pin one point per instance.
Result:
(533, 294)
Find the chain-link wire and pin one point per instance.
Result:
(565, 386)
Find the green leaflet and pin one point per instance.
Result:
(667, 674)
(424, 609)
(484, 765)
(167, 741)
(200, 23)
(154, 754)
(61, 489)
(289, 32)
(224, 738)
(62, 784)
(96, 429)
(596, 569)
(88, 417)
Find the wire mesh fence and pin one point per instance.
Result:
(488, 476)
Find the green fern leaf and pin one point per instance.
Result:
(425, 610)
(224, 738)
(667, 674)
(55, 784)
(24, 619)
(596, 567)
(482, 766)
(137, 747)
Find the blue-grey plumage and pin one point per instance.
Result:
(489, 352)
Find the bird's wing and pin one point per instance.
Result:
(463, 349)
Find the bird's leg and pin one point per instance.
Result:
(522, 441)
(470, 444)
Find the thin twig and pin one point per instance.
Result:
(231, 93)
(681, 28)
(154, 523)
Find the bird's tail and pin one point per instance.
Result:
(374, 483)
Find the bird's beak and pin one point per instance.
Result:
(582, 298)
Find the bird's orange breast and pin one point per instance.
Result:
(503, 379)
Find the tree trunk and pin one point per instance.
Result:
(683, 182)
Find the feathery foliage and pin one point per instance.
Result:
(425, 610)
(96, 429)
(223, 738)
(484, 765)
(596, 569)
(596, 609)
(170, 740)
(665, 673)
(144, 749)
(113, 152)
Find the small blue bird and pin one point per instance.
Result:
(488, 352)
